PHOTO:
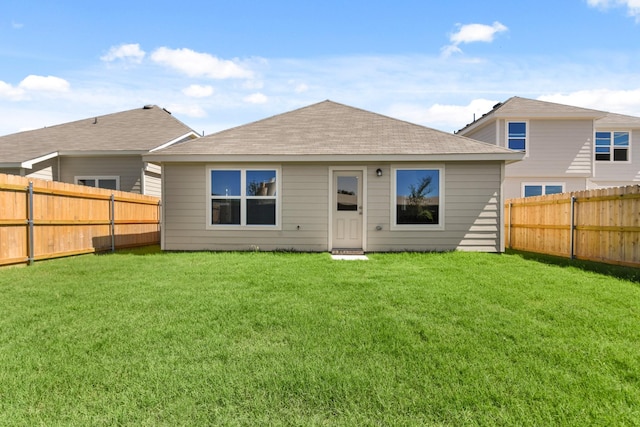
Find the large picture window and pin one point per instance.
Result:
(243, 197)
(417, 197)
(612, 146)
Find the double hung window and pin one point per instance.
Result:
(612, 146)
(517, 135)
(243, 197)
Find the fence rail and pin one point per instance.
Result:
(44, 219)
(598, 225)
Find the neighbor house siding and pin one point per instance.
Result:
(556, 148)
(620, 173)
(47, 170)
(11, 171)
(471, 213)
(127, 168)
(486, 134)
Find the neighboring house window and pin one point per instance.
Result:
(417, 198)
(517, 135)
(106, 182)
(612, 146)
(243, 197)
(529, 190)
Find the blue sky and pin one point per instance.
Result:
(217, 64)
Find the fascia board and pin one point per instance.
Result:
(199, 158)
(191, 134)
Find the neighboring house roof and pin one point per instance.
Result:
(521, 108)
(139, 130)
(326, 131)
(618, 120)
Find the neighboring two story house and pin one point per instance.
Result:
(567, 148)
(104, 151)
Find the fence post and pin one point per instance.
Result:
(113, 222)
(509, 232)
(572, 228)
(30, 224)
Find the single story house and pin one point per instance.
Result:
(104, 151)
(330, 177)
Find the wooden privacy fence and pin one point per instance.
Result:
(598, 225)
(44, 219)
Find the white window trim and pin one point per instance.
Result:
(98, 178)
(611, 131)
(543, 184)
(441, 199)
(243, 197)
(527, 132)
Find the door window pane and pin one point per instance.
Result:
(347, 193)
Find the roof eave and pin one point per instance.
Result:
(102, 153)
(326, 158)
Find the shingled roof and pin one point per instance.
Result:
(517, 107)
(328, 130)
(141, 130)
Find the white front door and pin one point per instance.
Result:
(347, 210)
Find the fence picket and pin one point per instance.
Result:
(71, 219)
(606, 225)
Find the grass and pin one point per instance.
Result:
(149, 338)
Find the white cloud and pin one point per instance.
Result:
(613, 101)
(196, 64)
(633, 6)
(301, 88)
(198, 91)
(9, 92)
(190, 110)
(256, 98)
(443, 116)
(44, 84)
(472, 33)
(16, 25)
(125, 52)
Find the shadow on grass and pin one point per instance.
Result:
(620, 272)
(139, 250)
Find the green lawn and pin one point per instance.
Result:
(146, 338)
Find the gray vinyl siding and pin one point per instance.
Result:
(556, 148)
(128, 168)
(47, 170)
(486, 134)
(11, 171)
(471, 213)
(152, 184)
